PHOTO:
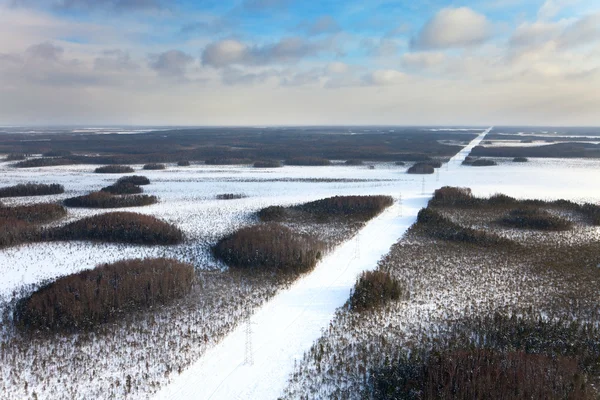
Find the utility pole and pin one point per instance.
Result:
(423, 186)
(400, 205)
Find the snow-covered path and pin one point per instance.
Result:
(286, 326)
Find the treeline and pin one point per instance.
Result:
(267, 164)
(534, 218)
(154, 166)
(134, 180)
(271, 247)
(122, 187)
(448, 196)
(106, 200)
(15, 157)
(20, 224)
(480, 162)
(122, 227)
(88, 298)
(31, 189)
(497, 357)
(45, 162)
(230, 196)
(308, 161)
(434, 224)
(227, 161)
(558, 150)
(421, 168)
(114, 169)
(339, 208)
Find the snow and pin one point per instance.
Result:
(285, 327)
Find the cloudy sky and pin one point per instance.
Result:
(298, 62)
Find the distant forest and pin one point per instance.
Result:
(200, 144)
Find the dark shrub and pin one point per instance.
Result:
(31, 189)
(122, 227)
(338, 208)
(520, 159)
(373, 289)
(533, 218)
(267, 164)
(57, 153)
(272, 213)
(354, 162)
(592, 212)
(438, 226)
(44, 162)
(421, 168)
(123, 188)
(154, 166)
(134, 180)
(88, 298)
(308, 161)
(228, 161)
(400, 163)
(526, 141)
(15, 157)
(230, 196)
(34, 213)
(183, 163)
(483, 163)
(106, 200)
(272, 247)
(114, 169)
(449, 196)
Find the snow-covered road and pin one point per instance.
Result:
(286, 326)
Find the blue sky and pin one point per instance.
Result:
(199, 62)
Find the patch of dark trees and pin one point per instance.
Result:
(183, 163)
(480, 162)
(436, 225)
(228, 161)
(119, 227)
(134, 180)
(15, 157)
(31, 189)
(333, 143)
(46, 162)
(85, 299)
(374, 289)
(535, 218)
(421, 168)
(107, 200)
(230, 196)
(154, 166)
(57, 153)
(122, 187)
(308, 161)
(520, 159)
(271, 247)
(114, 169)
(557, 150)
(20, 224)
(267, 164)
(496, 357)
(337, 208)
(449, 196)
(354, 162)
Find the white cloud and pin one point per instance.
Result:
(385, 77)
(423, 60)
(453, 28)
(337, 67)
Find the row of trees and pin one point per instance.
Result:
(31, 189)
(104, 199)
(20, 224)
(85, 299)
(114, 169)
(535, 218)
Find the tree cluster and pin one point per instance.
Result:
(267, 164)
(373, 289)
(135, 180)
(354, 162)
(230, 196)
(270, 247)
(227, 161)
(91, 297)
(183, 163)
(122, 227)
(535, 218)
(44, 162)
(114, 169)
(154, 166)
(31, 189)
(308, 161)
(15, 157)
(421, 168)
(104, 199)
(121, 187)
(20, 224)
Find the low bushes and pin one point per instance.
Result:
(308, 161)
(591, 212)
(347, 208)
(438, 226)
(183, 163)
(123, 188)
(122, 227)
(533, 218)
(114, 169)
(31, 189)
(230, 196)
(373, 289)
(272, 247)
(154, 166)
(88, 298)
(106, 200)
(44, 162)
(520, 159)
(134, 180)
(354, 162)
(267, 164)
(483, 163)
(421, 168)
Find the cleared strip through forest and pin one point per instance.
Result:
(287, 325)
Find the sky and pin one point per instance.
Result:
(298, 62)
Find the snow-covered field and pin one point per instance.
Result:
(286, 326)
